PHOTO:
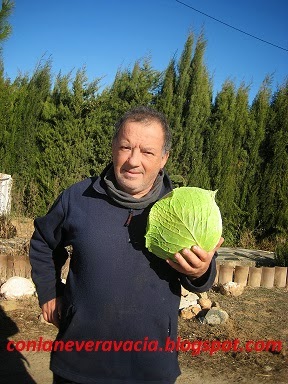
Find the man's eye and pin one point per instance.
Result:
(125, 148)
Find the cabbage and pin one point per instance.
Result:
(184, 217)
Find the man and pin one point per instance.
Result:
(118, 297)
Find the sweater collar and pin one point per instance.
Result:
(125, 199)
(100, 186)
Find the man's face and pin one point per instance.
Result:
(138, 156)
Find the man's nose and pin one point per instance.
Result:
(135, 157)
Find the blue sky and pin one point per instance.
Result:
(105, 35)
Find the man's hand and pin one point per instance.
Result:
(193, 262)
(52, 310)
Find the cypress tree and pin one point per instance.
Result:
(5, 28)
(196, 115)
(177, 122)
(5, 113)
(259, 114)
(242, 127)
(274, 193)
(166, 95)
(64, 140)
(222, 159)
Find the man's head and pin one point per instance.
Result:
(140, 149)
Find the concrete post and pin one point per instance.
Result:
(267, 280)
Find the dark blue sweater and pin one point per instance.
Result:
(116, 290)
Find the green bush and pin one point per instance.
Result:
(281, 253)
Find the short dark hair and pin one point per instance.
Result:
(146, 114)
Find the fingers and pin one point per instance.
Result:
(195, 261)
(50, 312)
(191, 258)
(203, 255)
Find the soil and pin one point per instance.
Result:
(259, 314)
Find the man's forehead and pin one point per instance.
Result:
(149, 126)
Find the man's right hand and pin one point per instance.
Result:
(52, 310)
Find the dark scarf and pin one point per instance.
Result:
(127, 200)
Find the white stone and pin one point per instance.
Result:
(188, 301)
(184, 291)
(203, 295)
(231, 289)
(17, 287)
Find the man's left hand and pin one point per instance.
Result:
(193, 262)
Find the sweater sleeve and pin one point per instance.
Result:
(48, 254)
(202, 283)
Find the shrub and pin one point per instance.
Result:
(7, 229)
(281, 253)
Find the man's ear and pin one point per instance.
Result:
(164, 159)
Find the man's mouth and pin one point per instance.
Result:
(132, 172)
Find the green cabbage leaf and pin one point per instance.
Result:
(184, 217)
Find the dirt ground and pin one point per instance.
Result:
(258, 315)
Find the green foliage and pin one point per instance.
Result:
(281, 253)
(5, 27)
(57, 131)
(274, 196)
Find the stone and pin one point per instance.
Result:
(8, 305)
(188, 301)
(186, 314)
(231, 289)
(196, 309)
(215, 316)
(17, 287)
(184, 291)
(203, 295)
(205, 303)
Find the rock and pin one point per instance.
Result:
(231, 289)
(8, 305)
(188, 301)
(215, 316)
(196, 309)
(203, 295)
(17, 287)
(205, 303)
(186, 314)
(184, 291)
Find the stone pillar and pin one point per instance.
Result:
(217, 274)
(22, 267)
(225, 274)
(254, 279)
(10, 266)
(268, 274)
(280, 277)
(241, 275)
(3, 266)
